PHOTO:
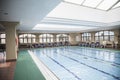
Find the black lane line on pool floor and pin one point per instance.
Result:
(91, 67)
(93, 57)
(118, 78)
(64, 67)
(112, 63)
(100, 60)
(100, 50)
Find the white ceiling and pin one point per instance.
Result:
(76, 12)
(57, 12)
(27, 12)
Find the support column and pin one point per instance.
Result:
(119, 39)
(11, 40)
(37, 38)
(72, 38)
(116, 35)
(93, 36)
(80, 35)
(54, 37)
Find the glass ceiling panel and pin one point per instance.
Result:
(75, 1)
(92, 3)
(117, 5)
(106, 4)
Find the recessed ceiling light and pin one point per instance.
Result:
(5, 13)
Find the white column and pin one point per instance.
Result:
(54, 37)
(119, 39)
(37, 38)
(116, 34)
(72, 38)
(80, 35)
(93, 36)
(11, 45)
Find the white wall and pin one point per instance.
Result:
(27, 12)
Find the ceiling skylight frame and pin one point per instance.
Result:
(74, 1)
(116, 6)
(107, 5)
(92, 3)
(95, 6)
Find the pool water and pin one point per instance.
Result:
(80, 63)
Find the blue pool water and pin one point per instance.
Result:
(78, 63)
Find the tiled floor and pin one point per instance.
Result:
(6, 69)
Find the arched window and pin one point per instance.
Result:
(62, 37)
(86, 37)
(104, 36)
(99, 36)
(2, 38)
(27, 38)
(46, 38)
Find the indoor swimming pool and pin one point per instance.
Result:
(80, 63)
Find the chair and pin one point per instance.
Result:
(115, 45)
(50, 44)
(97, 44)
(66, 43)
(42, 45)
(87, 44)
(92, 44)
(83, 44)
(55, 44)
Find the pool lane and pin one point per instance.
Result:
(102, 55)
(102, 67)
(54, 67)
(76, 67)
(95, 57)
(116, 53)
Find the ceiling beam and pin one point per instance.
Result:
(113, 5)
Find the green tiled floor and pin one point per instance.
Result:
(26, 69)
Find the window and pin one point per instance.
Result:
(107, 4)
(117, 5)
(46, 38)
(75, 1)
(27, 38)
(97, 4)
(62, 38)
(86, 37)
(92, 3)
(2, 38)
(104, 36)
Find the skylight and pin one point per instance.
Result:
(97, 4)
(56, 27)
(92, 3)
(75, 1)
(107, 4)
(117, 5)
